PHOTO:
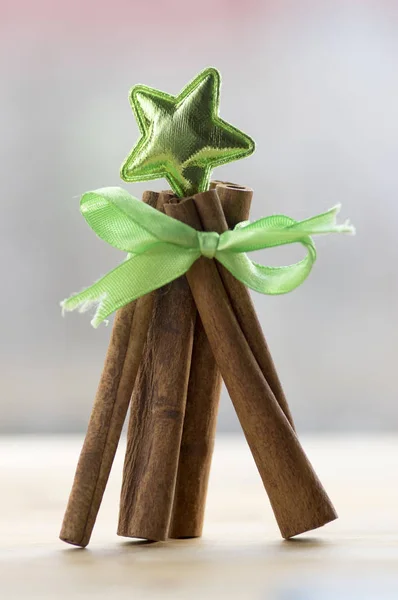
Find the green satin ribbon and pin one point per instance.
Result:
(161, 249)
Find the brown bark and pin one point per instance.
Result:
(297, 497)
(107, 417)
(202, 406)
(204, 388)
(157, 416)
(219, 215)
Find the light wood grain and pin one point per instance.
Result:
(240, 555)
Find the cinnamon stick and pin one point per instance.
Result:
(197, 442)
(157, 416)
(219, 216)
(297, 497)
(202, 405)
(108, 415)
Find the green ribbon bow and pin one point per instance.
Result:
(161, 249)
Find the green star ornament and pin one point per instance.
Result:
(182, 137)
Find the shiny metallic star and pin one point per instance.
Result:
(182, 137)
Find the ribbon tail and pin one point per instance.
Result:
(324, 223)
(268, 280)
(135, 277)
(278, 230)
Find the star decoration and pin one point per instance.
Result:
(182, 137)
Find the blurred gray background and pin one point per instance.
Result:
(314, 82)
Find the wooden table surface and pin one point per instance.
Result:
(241, 554)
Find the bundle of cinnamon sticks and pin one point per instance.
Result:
(167, 355)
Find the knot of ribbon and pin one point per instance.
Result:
(161, 249)
(208, 243)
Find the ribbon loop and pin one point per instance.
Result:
(161, 249)
(208, 243)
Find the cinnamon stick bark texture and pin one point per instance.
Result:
(219, 210)
(202, 404)
(108, 415)
(157, 416)
(297, 497)
(197, 442)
